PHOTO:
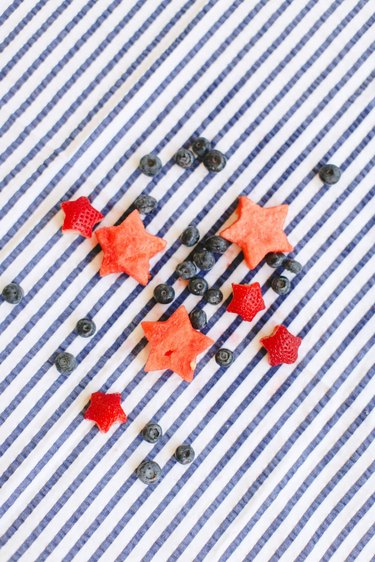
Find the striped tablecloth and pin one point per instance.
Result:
(284, 465)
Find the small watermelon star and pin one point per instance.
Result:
(258, 231)
(81, 216)
(282, 346)
(128, 248)
(105, 410)
(247, 301)
(174, 344)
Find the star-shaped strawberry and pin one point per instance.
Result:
(81, 216)
(282, 346)
(174, 344)
(105, 410)
(258, 231)
(128, 248)
(247, 301)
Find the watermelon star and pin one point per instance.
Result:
(247, 301)
(128, 248)
(282, 346)
(81, 216)
(258, 231)
(105, 410)
(174, 344)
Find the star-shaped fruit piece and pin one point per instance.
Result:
(81, 216)
(174, 344)
(258, 231)
(105, 410)
(128, 248)
(282, 346)
(247, 301)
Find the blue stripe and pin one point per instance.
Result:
(21, 25)
(9, 11)
(336, 510)
(170, 401)
(354, 554)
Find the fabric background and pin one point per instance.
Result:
(284, 465)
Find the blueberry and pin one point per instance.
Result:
(12, 293)
(198, 286)
(330, 174)
(186, 270)
(280, 284)
(164, 294)
(292, 265)
(215, 161)
(217, 244)
(190, 236)
(224, 357)
(198, 318)
(85, 327)
(201, 146)
(65, 362)
(145, 204)
(148, 472)
(275, 259)
(184, 158)
(150, 164)
(204, 259)
(184, 454)
(152, 432)
(213, 296)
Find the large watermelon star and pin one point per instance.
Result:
(105, 410)
(128, 248)
(81, 216)
(282, 346)
(258, 231)
(174, 344)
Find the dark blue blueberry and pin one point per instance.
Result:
(12, 293)
(164, 294)
(85, 328)
(190, 236)
(198, 318)
(184, 158)
(275, 260)
(330, 174)
(198, 286)
(215, 161)
(204, 259)
(65, 362)
(145, 204)
(224, 357)
(217, 244)
(292, 265)
(148, 472)
(186, 270)
(213, 296)
(152, 432)
(280, 284)
(150, 164)
(184, 454)
(201, 146)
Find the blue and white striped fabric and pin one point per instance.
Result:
(284, 468)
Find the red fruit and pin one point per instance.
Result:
(105, 410)
(282, 346)
(81, 216)
(174, 344)
(247, 301)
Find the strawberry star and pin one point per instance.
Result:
(282, 346)
(247, 301)
(105, 410)
(80, 215)
(174, 344)
(128, 248)
(258, 231)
